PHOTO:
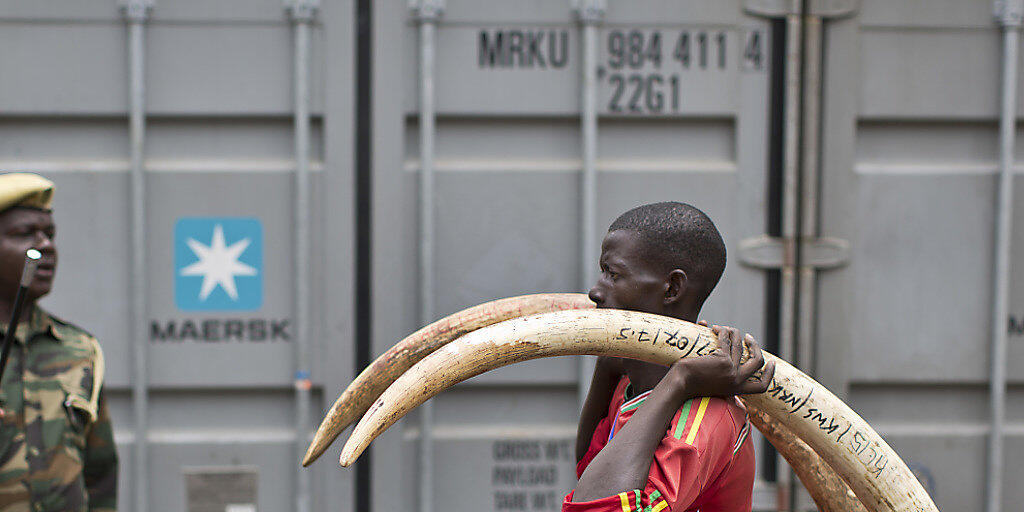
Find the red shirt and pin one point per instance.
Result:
(705, 461)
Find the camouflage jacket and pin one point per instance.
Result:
(57, 449)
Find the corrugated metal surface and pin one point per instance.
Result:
(909, 153)
(219, 146)
(678, 120)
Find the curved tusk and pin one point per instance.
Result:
(829, 492)
(366, 387)
(846, 442)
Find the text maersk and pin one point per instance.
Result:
(215, 330)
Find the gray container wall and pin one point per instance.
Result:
(909, 158)
(910, 135)
(508, 161)
(219, 144)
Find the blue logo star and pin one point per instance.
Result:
(218, 263)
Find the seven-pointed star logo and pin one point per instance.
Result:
(218, 264)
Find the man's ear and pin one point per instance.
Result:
(676, 287)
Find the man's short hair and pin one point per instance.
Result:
(678, 235)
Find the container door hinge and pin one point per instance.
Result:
(136, 10)
(819, 8)
(770, 252)
(1008, 12)
(427, 10)
(302, 10)
(589, 11)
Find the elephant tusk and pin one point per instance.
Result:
(828, 491)
(879, 478)
(366, 387)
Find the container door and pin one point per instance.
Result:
(682, 115)
(910, 158)
(219, 234)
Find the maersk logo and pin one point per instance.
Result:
(218, 264)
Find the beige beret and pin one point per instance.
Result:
(25, 189)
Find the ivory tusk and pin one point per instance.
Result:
(366, 387)
(828, 491)
(879, 478)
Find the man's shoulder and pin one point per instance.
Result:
(703, 416)
(729, 409)
(81, 360)
(715, 406)
(69, 332)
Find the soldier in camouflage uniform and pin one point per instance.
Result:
(57, 449)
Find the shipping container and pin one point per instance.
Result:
(375, 165)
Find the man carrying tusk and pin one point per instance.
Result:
(650, 437)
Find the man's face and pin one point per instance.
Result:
(22, 229)
(628, 280)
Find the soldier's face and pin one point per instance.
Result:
(22, 229)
